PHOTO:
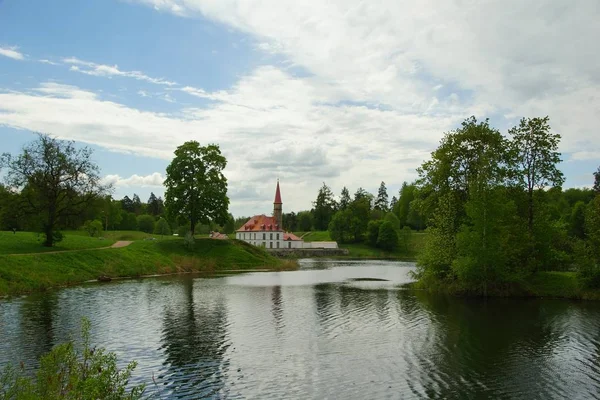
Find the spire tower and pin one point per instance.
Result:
(278, 207)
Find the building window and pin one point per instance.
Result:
(289, 245)
(277, 244)
(264, 244)
(264, 236)
(271, 236)
(278, 236)
(255, 236)
(271, 244)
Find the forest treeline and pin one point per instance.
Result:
(493, 207)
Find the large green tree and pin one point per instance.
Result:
(597, 181)
(536, 156)
(57, 180)
(196, 189)
(324, 208)
(381, 202)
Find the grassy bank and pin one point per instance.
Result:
(30, 242)
(362, 250)
(33, 272)
(554, 284)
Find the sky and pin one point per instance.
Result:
(343, 92)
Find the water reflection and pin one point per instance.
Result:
(194, 342)
(318, 333)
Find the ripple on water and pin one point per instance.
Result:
(320, 332)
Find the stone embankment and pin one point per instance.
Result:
(308, 253)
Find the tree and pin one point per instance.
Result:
(535, 153)
(470, 163)
(407, 195)
(597, 181)
(345, 198)
(153, 205)
(577, 220)
(137, 204)
(373, 231)
(305, 221)
(339, 226)
(388, 237)
(127, 204)
(393, 202)
(290, 221)
(56, 180)
(229, 226)
(162, 227)
(93, 228)
(324, 208)
(381, 202)
(196, 189)
(145, 223)
(390, 216)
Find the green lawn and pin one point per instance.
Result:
(25, 273)
(119, 235)
(362, 250)
(29, 242)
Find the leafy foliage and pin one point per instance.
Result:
(324, 208)
(162, 227)
(145, 223)
(196, 189)
(56, 181)
(93, 228)
(67, 373)
(388, 236)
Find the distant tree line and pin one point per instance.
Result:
(53, 185)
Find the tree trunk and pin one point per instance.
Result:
(192, 226)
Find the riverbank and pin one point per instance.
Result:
(552, 284)
(25, 273)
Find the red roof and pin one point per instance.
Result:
(290, 236)
(260, 223)
(277, 195)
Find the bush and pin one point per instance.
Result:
(145, 223)
(66, 373)
(388, 238)
(183, 230)
(373, 231)
(93, 228)
(162, 227)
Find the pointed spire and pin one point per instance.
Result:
(277, 195)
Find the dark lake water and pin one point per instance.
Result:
(318, 334)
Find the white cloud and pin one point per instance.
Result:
(44, 61)
(11, 52)
(90, 68)
(293, 132)
(153, 180)
(379, 84)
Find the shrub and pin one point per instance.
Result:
(145, 223)
(162, 227)
(388, 238)
(373, 231)
(93, 228)
(66, 373)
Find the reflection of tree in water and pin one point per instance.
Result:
(38, 313)
(194, 341)
(487, 348)
(277, 308)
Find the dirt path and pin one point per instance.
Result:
(117, 245)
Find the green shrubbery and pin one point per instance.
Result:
(69, 373)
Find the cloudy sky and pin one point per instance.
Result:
(346, 92)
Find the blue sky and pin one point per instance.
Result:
(343, 92)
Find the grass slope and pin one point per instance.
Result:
(30, 242)
(26, 273)
(362, 250)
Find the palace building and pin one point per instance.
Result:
(268, 232)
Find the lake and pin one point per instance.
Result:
(318, 333)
